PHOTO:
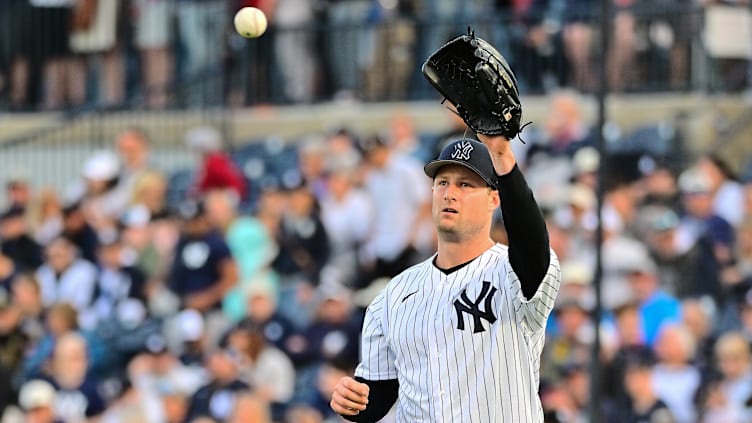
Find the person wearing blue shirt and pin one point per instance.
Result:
(203, 269)
(656, 306)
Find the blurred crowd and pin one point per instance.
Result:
(238, 295)
(184, 53)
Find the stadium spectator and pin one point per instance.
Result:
(15, 52)
(534, 46)
(27, 296)
(152, 37)
(294, 48)
(18, 190)
(17, 244)
(578, 42)
(150, 191)
(13, 345)
(403, 137)
(316, 403)
(565, 128)
(657, 308)
(629, 342)
(201, 26)
(216, 170)
(699, 316)
(345, 53)
(101, 200)
(674, 378)
(263, 315)
(50, 48)
(332, 333)
(732, 352)
(700, 227)
(312, 162)
(727, 192)
(64, 277)
(203, 269)
(216, 400)
(250, 244)
(132, 146)
(78, 230)
(399, 191)
(303, 251)
(250, 408)
(347, 214)
(62, 319)
(97, 35)
(37, 399)
(118, 280)
(644, 404)
(46, 216)
(660, 187)
(8, 272)
(264, 367)
(157, 374)
(572, 336)
(77, 395)
(622, 51)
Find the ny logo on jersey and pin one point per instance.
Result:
(464, 305)
(462, 151)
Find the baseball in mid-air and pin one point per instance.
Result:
(250, 22)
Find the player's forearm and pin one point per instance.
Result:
(526, 229)
(381, 398)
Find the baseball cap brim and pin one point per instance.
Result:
(432, 168)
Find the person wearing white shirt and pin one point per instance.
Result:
(401, 198)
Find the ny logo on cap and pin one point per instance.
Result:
(462, 151)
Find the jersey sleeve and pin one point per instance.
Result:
(533, 313)
(376, 358)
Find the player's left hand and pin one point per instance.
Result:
(350, 397)
(501, 152)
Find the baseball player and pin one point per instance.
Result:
(458, 338)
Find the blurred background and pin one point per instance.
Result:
(193, 223)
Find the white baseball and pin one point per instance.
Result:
(250, 22)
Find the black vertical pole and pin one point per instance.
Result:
(595, 381)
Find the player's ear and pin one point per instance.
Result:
(493, 199)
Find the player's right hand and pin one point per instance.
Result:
(350, 397)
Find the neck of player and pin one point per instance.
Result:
(453, 253)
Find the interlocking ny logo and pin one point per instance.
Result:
(464, 305)
(462, 151)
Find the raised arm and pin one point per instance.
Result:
(528, 238)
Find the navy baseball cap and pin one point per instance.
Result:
(469, 153)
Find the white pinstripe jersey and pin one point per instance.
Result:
(455, 360)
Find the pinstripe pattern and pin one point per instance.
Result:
(451, 375)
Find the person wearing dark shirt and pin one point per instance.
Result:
(203, 268)
(16, 242)
(644, 405)
(77, 396)
(79, 232)
(13, 346)
(262, 315)
(302, 238)
(216, 400)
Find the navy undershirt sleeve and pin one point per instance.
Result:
(526, 229)
(381, 397)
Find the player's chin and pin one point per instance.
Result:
(448, 232)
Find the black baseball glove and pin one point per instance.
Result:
(476, 78)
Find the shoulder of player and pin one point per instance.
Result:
(408, 278)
